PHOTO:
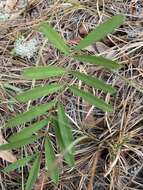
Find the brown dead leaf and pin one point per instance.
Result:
(6, 155)
(91, 49)
(83, 30)
(101, 47)
(105, 50)
(39, 185)
(74, 41)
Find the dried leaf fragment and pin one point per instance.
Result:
(6, 155)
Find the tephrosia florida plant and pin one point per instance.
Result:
(53, 110)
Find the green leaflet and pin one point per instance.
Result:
(18, 164)
(51, 161)
(54, 38)
(33, 174)
(43, 72)
(94, 82)
(65, 130)
(101, 31)
(98, 60)
(92, 99)
(68, 157)
(28, 131)
(38, 92)
(18, 144)
(31, 114)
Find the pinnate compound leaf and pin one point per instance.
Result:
(38, 92)
(43, 72)
(18, 144)
(98, 60)
(51, 161)
(94, 82)
(18, 164)
(91, 99)
(68, 157)
(54, 38)
(101, 31)
(65, 130)
(28, 131)
(31, 114)
(33, 174)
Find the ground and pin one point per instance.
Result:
(113, 159)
